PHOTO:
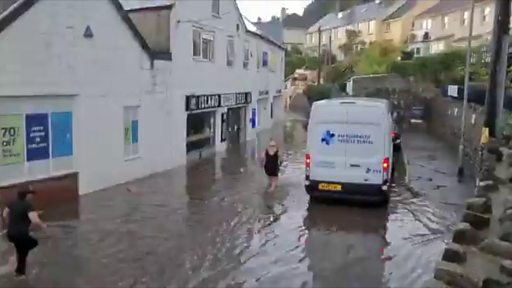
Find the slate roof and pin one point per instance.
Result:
(406, 7)
(19, 8)
(272, 28)
(445, 6)
(294, 21)
(356, 14)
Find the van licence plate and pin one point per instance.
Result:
(330, 187)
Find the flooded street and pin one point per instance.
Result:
(212, 225)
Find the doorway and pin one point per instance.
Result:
(236, 119)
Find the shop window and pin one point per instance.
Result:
(203, 45)
(230, 51)
(200, 130)
(131, 131)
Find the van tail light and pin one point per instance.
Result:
(385, 164)
(308, 161)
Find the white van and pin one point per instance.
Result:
(349, 149)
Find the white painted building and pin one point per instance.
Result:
(81, 92)
(228, 73)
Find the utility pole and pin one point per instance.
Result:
(496, 86)
(330, 49)
(319, 54)
(460, 169)
(498, 68)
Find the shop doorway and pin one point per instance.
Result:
(236, 125)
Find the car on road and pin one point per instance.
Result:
(349, 151)
(417, 114)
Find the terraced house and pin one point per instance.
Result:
(374, 21)
(446, 26)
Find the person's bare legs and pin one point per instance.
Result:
(273, 184)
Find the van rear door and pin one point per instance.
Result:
(327, 154)
(364, 138)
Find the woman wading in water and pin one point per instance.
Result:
(271, 164)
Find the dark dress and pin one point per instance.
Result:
(271, 164)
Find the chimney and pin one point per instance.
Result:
(283, 13)
(259, 19)
(338, 6)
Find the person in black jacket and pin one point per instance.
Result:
(19, 215)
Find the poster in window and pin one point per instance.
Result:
(224, 127)
(253, 118)
(127, 133)
(273, 62)
(11, 139)
(62, 134)
(135, 131)
(265, 59)
(37, 138)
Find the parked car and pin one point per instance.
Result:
(417, 114)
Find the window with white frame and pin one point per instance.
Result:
(427, 24)
(465, 18)
(230, 51)
(359, 26)
(445, 21)
(486, 12)
(340, 33)
(324, 36)
(333, 34)
(131, 131)
(246, 55)
(203, 44)
(371, 27)
(216, 7)
(387, 27)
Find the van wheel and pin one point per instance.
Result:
(385, 200)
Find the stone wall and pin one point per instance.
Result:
(444, 120)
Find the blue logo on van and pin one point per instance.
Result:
(328, 137)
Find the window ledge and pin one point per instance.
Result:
(199, 59)
(215, 15)
(131, 158)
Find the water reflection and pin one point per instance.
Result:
(345, 245)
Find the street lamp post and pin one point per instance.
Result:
(460, 169)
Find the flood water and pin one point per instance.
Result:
(212, 225)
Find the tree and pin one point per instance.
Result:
(318, 92)
(338, 73)
(348, 47)
(293, 63)
(377, 58)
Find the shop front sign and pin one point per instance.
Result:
(212, 101)
(235, 99)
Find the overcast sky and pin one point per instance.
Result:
(265, 9)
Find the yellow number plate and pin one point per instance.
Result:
(330, 187)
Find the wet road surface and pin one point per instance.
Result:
(212, 225)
